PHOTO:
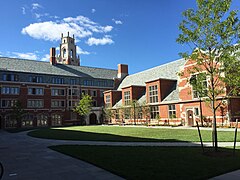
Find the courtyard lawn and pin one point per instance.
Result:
(155, 162)
(129, 134)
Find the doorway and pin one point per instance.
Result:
(190, 117)
(93, 119)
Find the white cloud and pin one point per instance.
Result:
(94, 41)
(81, 51)
(93, 10)
(36, 6)
(80, 26)
(117, 21)
(45, 57)
(23, 10)
(30, 56)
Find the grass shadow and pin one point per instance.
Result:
(155, 162)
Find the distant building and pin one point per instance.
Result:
(49, 91)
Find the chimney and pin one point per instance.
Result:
(53, 56)
(122, 70)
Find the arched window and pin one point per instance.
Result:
(42, 120)
(10, 122)
(27, 120)
(71, 53)
(56, 119)
(64, 53)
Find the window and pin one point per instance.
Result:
(139, 113)
(154, 112)
(72, 103)
(94, 93)
(126, 98)
(117, 114)
(64, 52)
(57, 103)
(101, 93)
(35, 103)
(10, 122)
(57, 80)
(199, 85)
(10, 90)
(36, 79)
(88, 83)
(196, 111)
(71, 53)
(42, 120)
(27, 120)
(127, 113)
(8, 103)
(58, 92)
(56, 119)
(102, 83)
(84, 92)
(172, 111)
(73, 81)
(108, 100)
(10, 77)
(73, 92)
(153, 94)
(35, 91)
(94, 103)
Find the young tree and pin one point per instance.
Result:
(212, 31)
(84, 106)
(107, 114)
(17, 113)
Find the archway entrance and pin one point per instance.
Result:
(190, 117)
(92, 119)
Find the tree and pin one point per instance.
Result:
(212, 32)
(108, 114)
(17, 112)
(84, 106)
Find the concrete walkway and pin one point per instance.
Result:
(26, 158)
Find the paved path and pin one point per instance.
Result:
(26, 158)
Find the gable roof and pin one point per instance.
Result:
(165, 71)
(32, 66)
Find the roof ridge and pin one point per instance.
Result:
(157, 67)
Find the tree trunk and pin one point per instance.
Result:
(214, 130)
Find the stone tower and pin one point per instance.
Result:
(68, 53)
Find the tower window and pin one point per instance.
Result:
(64, 53)
(71, 53)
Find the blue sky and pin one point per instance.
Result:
(140, 33)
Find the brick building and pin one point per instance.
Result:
(160, 96)
(49, 91)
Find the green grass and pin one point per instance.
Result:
(154, 162)
(134, 134)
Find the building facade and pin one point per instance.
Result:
(163, 95)
(48, 92)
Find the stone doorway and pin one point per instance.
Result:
(190, 117)
(92, 119)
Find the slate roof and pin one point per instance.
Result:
(33, 66)
(165, 71)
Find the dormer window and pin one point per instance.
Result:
(153, 94)
(127, 98)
